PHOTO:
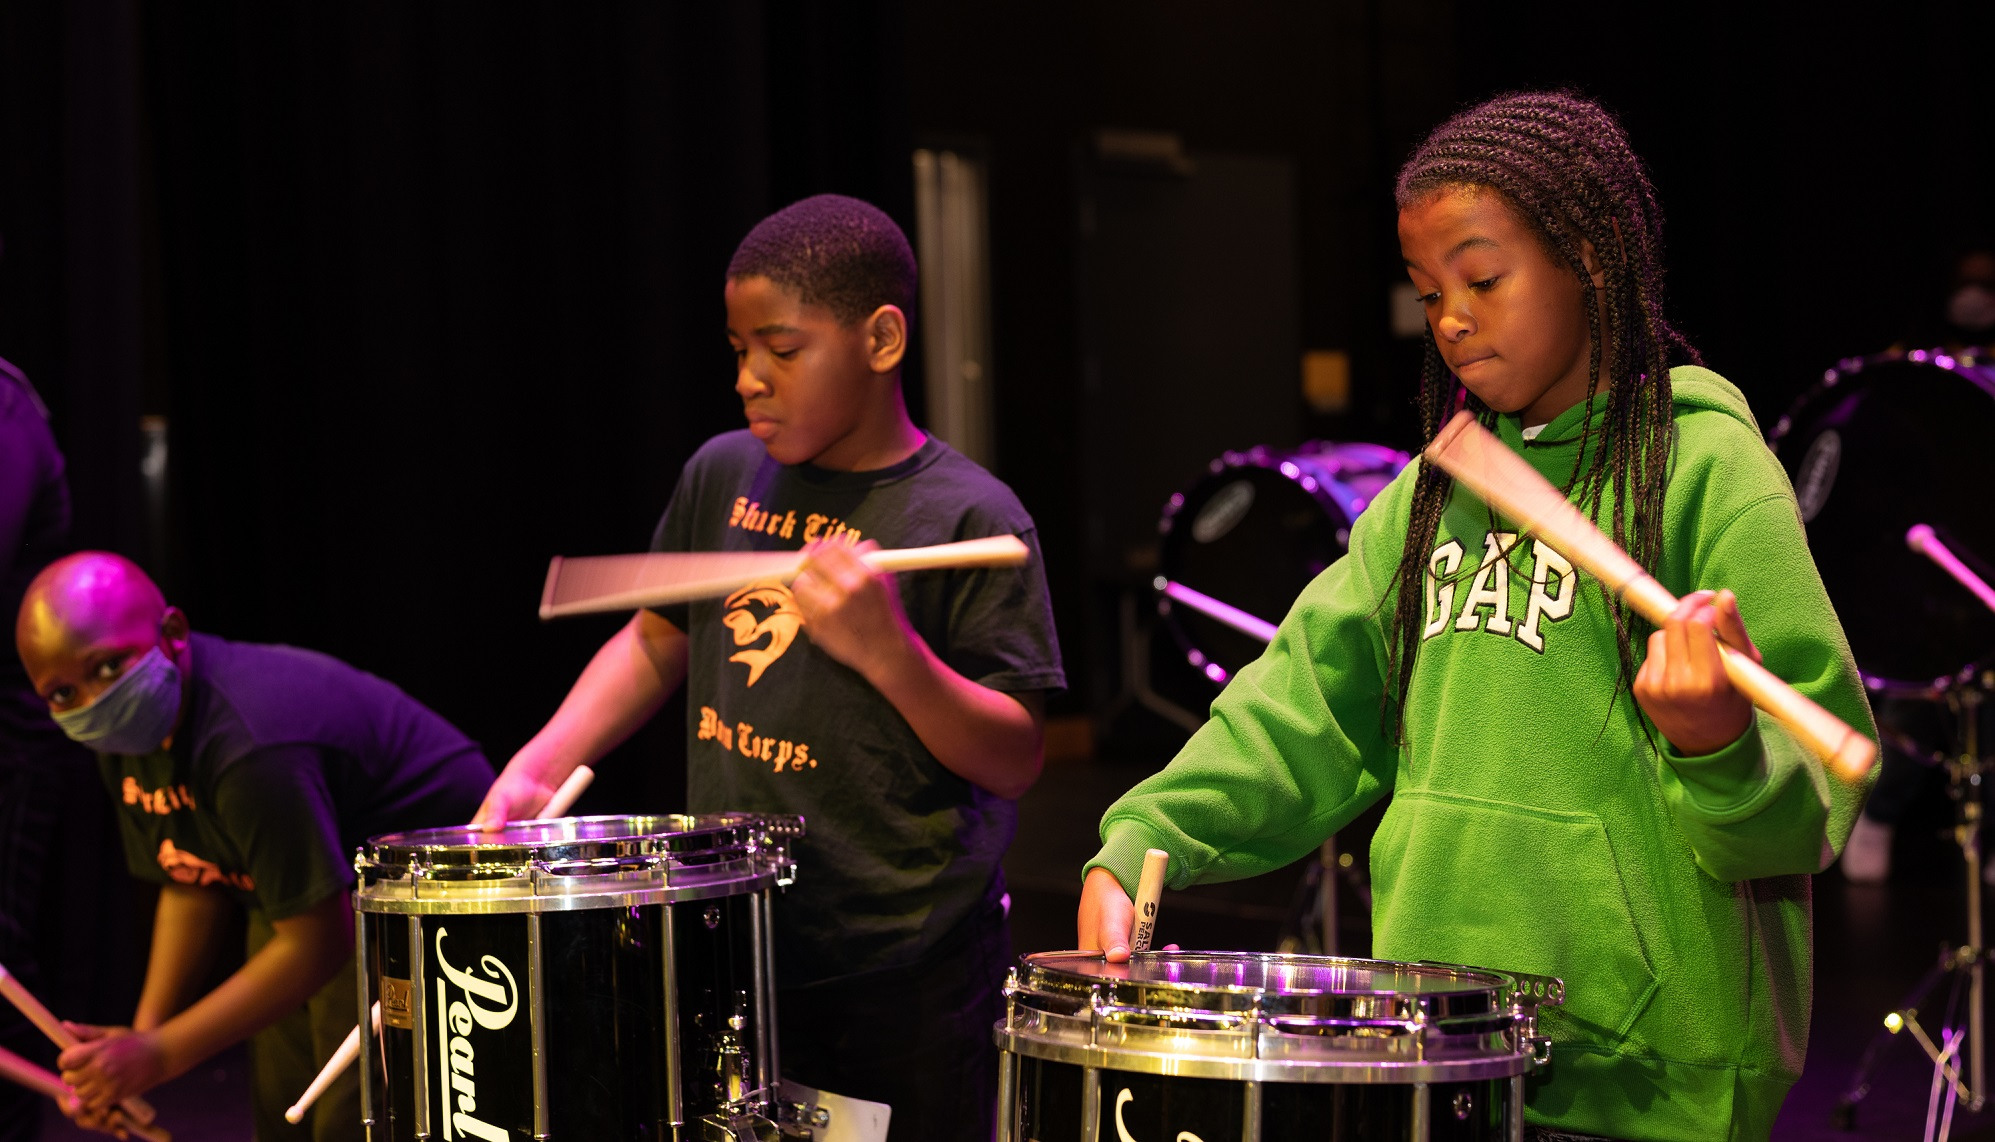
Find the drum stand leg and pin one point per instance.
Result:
(1311, 924)
(362, 950)
(1135, 639)
(1966, 963)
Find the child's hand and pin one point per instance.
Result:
(851, 611)
(110, 1065)
(1106, 917)
(1682, 685)
(516, 795)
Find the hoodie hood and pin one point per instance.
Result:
(1692, 387)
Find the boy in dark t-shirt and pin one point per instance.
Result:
(902, 718)
(242, 773)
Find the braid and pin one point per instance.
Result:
(1565, 166)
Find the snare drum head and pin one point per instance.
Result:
(1256, 529)
(1882, 445)
(1276, 985)
(1287, 1018)
(575, 862)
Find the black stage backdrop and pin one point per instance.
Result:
(431, 293)
(427, 294)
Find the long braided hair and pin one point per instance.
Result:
(1564, 166)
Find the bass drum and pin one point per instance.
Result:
(1882, 444)
(1255, 530)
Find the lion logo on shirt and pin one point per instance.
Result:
(756, 611)
(186, 868)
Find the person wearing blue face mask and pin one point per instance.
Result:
(243, 775)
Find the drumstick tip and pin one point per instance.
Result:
(1445, 438)
(1918, 537)
(1854, 756)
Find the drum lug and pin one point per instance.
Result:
(798, 1119)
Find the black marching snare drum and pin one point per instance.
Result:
(1252, 533)
(1882, 444)
(1239, 1047)
(579, 978)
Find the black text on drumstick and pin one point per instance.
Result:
(1149, 890)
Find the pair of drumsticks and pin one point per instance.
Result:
(1463, 448)
(134, 1115)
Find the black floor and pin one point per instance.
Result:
(1873, 944)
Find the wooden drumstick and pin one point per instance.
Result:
(1149, 890)
(342, 1058)
(577, 586)
(349, 1048)
(138, 1109)
(1507, 482)
(565, 795)
(16, 1069)
(1922, 540)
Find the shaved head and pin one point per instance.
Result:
(84, 611)
(86, 592)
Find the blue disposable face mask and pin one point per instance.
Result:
(134, 714)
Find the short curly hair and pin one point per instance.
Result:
(830, 250)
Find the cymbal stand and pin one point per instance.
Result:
(1965, 963)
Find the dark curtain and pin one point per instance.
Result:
(427, 294)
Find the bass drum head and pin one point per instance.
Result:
(1880, 445)
(1255, 530)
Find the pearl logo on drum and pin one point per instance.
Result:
(488, 1003)
(1122, 1132)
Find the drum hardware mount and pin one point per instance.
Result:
(1966, 964)
(788, 1121)
(1526, 993)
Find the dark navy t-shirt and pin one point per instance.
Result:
(286, 761)
(897, 849)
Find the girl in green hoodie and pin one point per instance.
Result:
(1572, 793)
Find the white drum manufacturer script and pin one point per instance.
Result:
(489, 1003)
(1122, 1132)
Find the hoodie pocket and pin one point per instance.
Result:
(1514, 888)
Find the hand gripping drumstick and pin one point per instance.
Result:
(1922, 540)
(627, 582)
(16, 1069)
(1508, 483)
(1149, 890)
(349, 1048)
(136, 1108)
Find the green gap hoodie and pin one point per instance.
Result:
(1532, 827)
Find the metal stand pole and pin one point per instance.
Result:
(1966, 702)
(1966, 962)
